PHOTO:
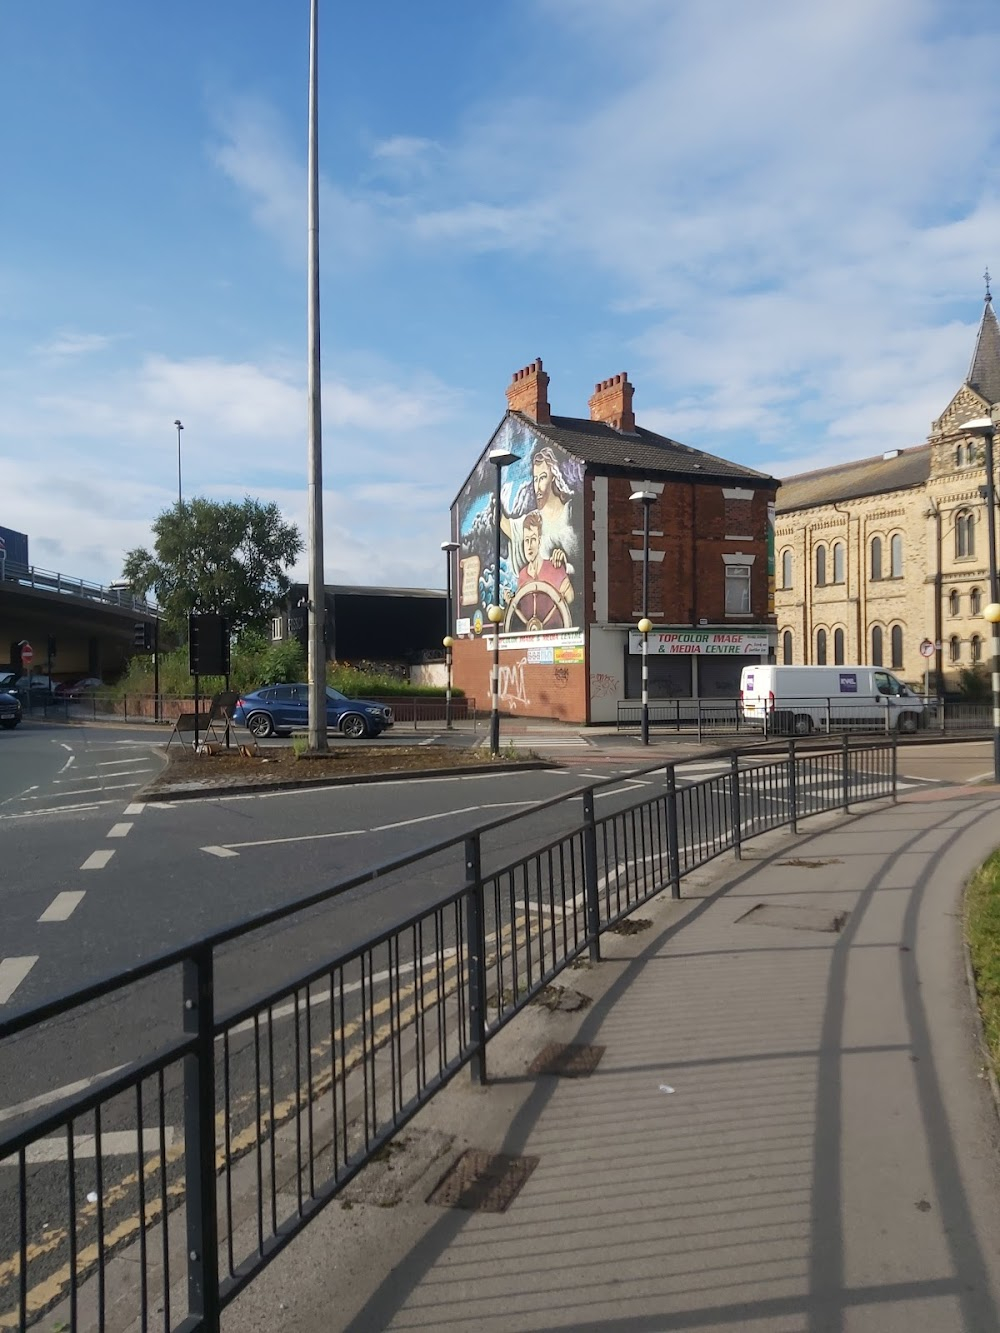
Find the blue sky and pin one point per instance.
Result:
(774, 216)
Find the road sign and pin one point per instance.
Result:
(926, 648)
(27, 654)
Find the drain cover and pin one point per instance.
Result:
(569, 1061)
(483, 1182)
(796, 918)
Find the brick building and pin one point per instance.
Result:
(878, 556)
(572, 562)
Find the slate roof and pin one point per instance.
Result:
(984, 373)
(850, 481)
(644, 452)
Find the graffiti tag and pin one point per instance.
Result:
(512, 686)
(603, 686)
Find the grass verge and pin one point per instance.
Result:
(982, 930)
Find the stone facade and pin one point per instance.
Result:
(874, 557)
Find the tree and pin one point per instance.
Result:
(230, 558)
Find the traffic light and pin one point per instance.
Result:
(208, 645)
(52, 646)
(142, 636)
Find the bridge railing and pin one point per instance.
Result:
(281, 1097)
(30, 576)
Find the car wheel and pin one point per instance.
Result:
(354, 726)
(260, 725)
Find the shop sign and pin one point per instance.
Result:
(709, 642)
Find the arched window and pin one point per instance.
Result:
(876, 645)
(963, 455)
(786, 569)
(838, 647)
(896, 640)
(896, 557)
(954, 603)
(786, 647)
(876, 557)
(977, 648)
(965, 534)
(954, 648)
(976, 602)
(820, 565)
(821, 647)
(838, 562)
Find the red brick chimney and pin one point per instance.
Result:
(612, 402)
(528, 392)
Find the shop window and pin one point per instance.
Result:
(896, 639)
(877, 645)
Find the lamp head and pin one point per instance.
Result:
(502, 457)
(448, 641)
(449, 546)
(979, 426)
(644, 625)
(643, 497)
(178, 425)
(495, 614)
(991, 612)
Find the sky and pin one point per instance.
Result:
(774, 216)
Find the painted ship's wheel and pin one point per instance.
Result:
(537, 606)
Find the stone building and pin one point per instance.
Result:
(876, 557)
(572, 558)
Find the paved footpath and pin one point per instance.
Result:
(790, 1128)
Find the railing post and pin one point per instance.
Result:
(829, 717)
(673, 849)
(793, 785)
(475, 930)
(591, 896)
(734, 805)
(845, 773)
(199, 1141)
(698, 705)
(895, 768)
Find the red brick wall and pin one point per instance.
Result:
(689, 584)
(528, 689)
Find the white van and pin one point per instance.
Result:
(795, 700)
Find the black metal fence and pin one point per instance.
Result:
(281, 1100)
(823, 716)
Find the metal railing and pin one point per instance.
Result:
(30, 576)
(284, 1096)
(826, 716)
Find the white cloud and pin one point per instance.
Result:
(67, 343)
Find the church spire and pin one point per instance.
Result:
(984, 373)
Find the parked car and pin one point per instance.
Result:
(10, 706)
(284, 708)
(70, 690)
(36, 685)
(8, 682)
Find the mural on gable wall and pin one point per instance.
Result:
(541, 542)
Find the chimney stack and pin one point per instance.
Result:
(528, 392)
(612, 402)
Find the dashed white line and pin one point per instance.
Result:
(63, 905)
(219, 851)
(119, 830)
(116, 763)
(12, 973)
(114, 1143)
(69, 763)
(56, 1094)
(97, 860)
(136, 808)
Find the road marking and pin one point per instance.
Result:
(69, 763)
(65, 746)
(56, 1094)
(115, 763)
(12, 973)
(62, 906)
(97, 860)
(136, 808)
(421, 819)
(219, 851)
(119, 830)
(58, 810)
(115, 1143)
(270, 842)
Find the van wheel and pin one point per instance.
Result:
(907, 723)
(803, 724)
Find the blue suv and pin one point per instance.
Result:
(285, 708)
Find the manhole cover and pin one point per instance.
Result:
(567, 1060)
(483, 1182)
(630, 926)
(561, 998)
(796, 918)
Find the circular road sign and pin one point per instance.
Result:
(926, 648)
(27, 653)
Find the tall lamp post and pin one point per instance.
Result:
(645, 498)
(448, 641)
(179, 429)
(500, 458)
(986, 427)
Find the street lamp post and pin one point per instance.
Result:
(986, 427)
(645, 498)
(449, 642)
(500, 458)
(179, 429)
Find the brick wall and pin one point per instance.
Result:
(527, 689)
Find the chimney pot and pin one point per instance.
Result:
(528, 392)
(612, 403)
